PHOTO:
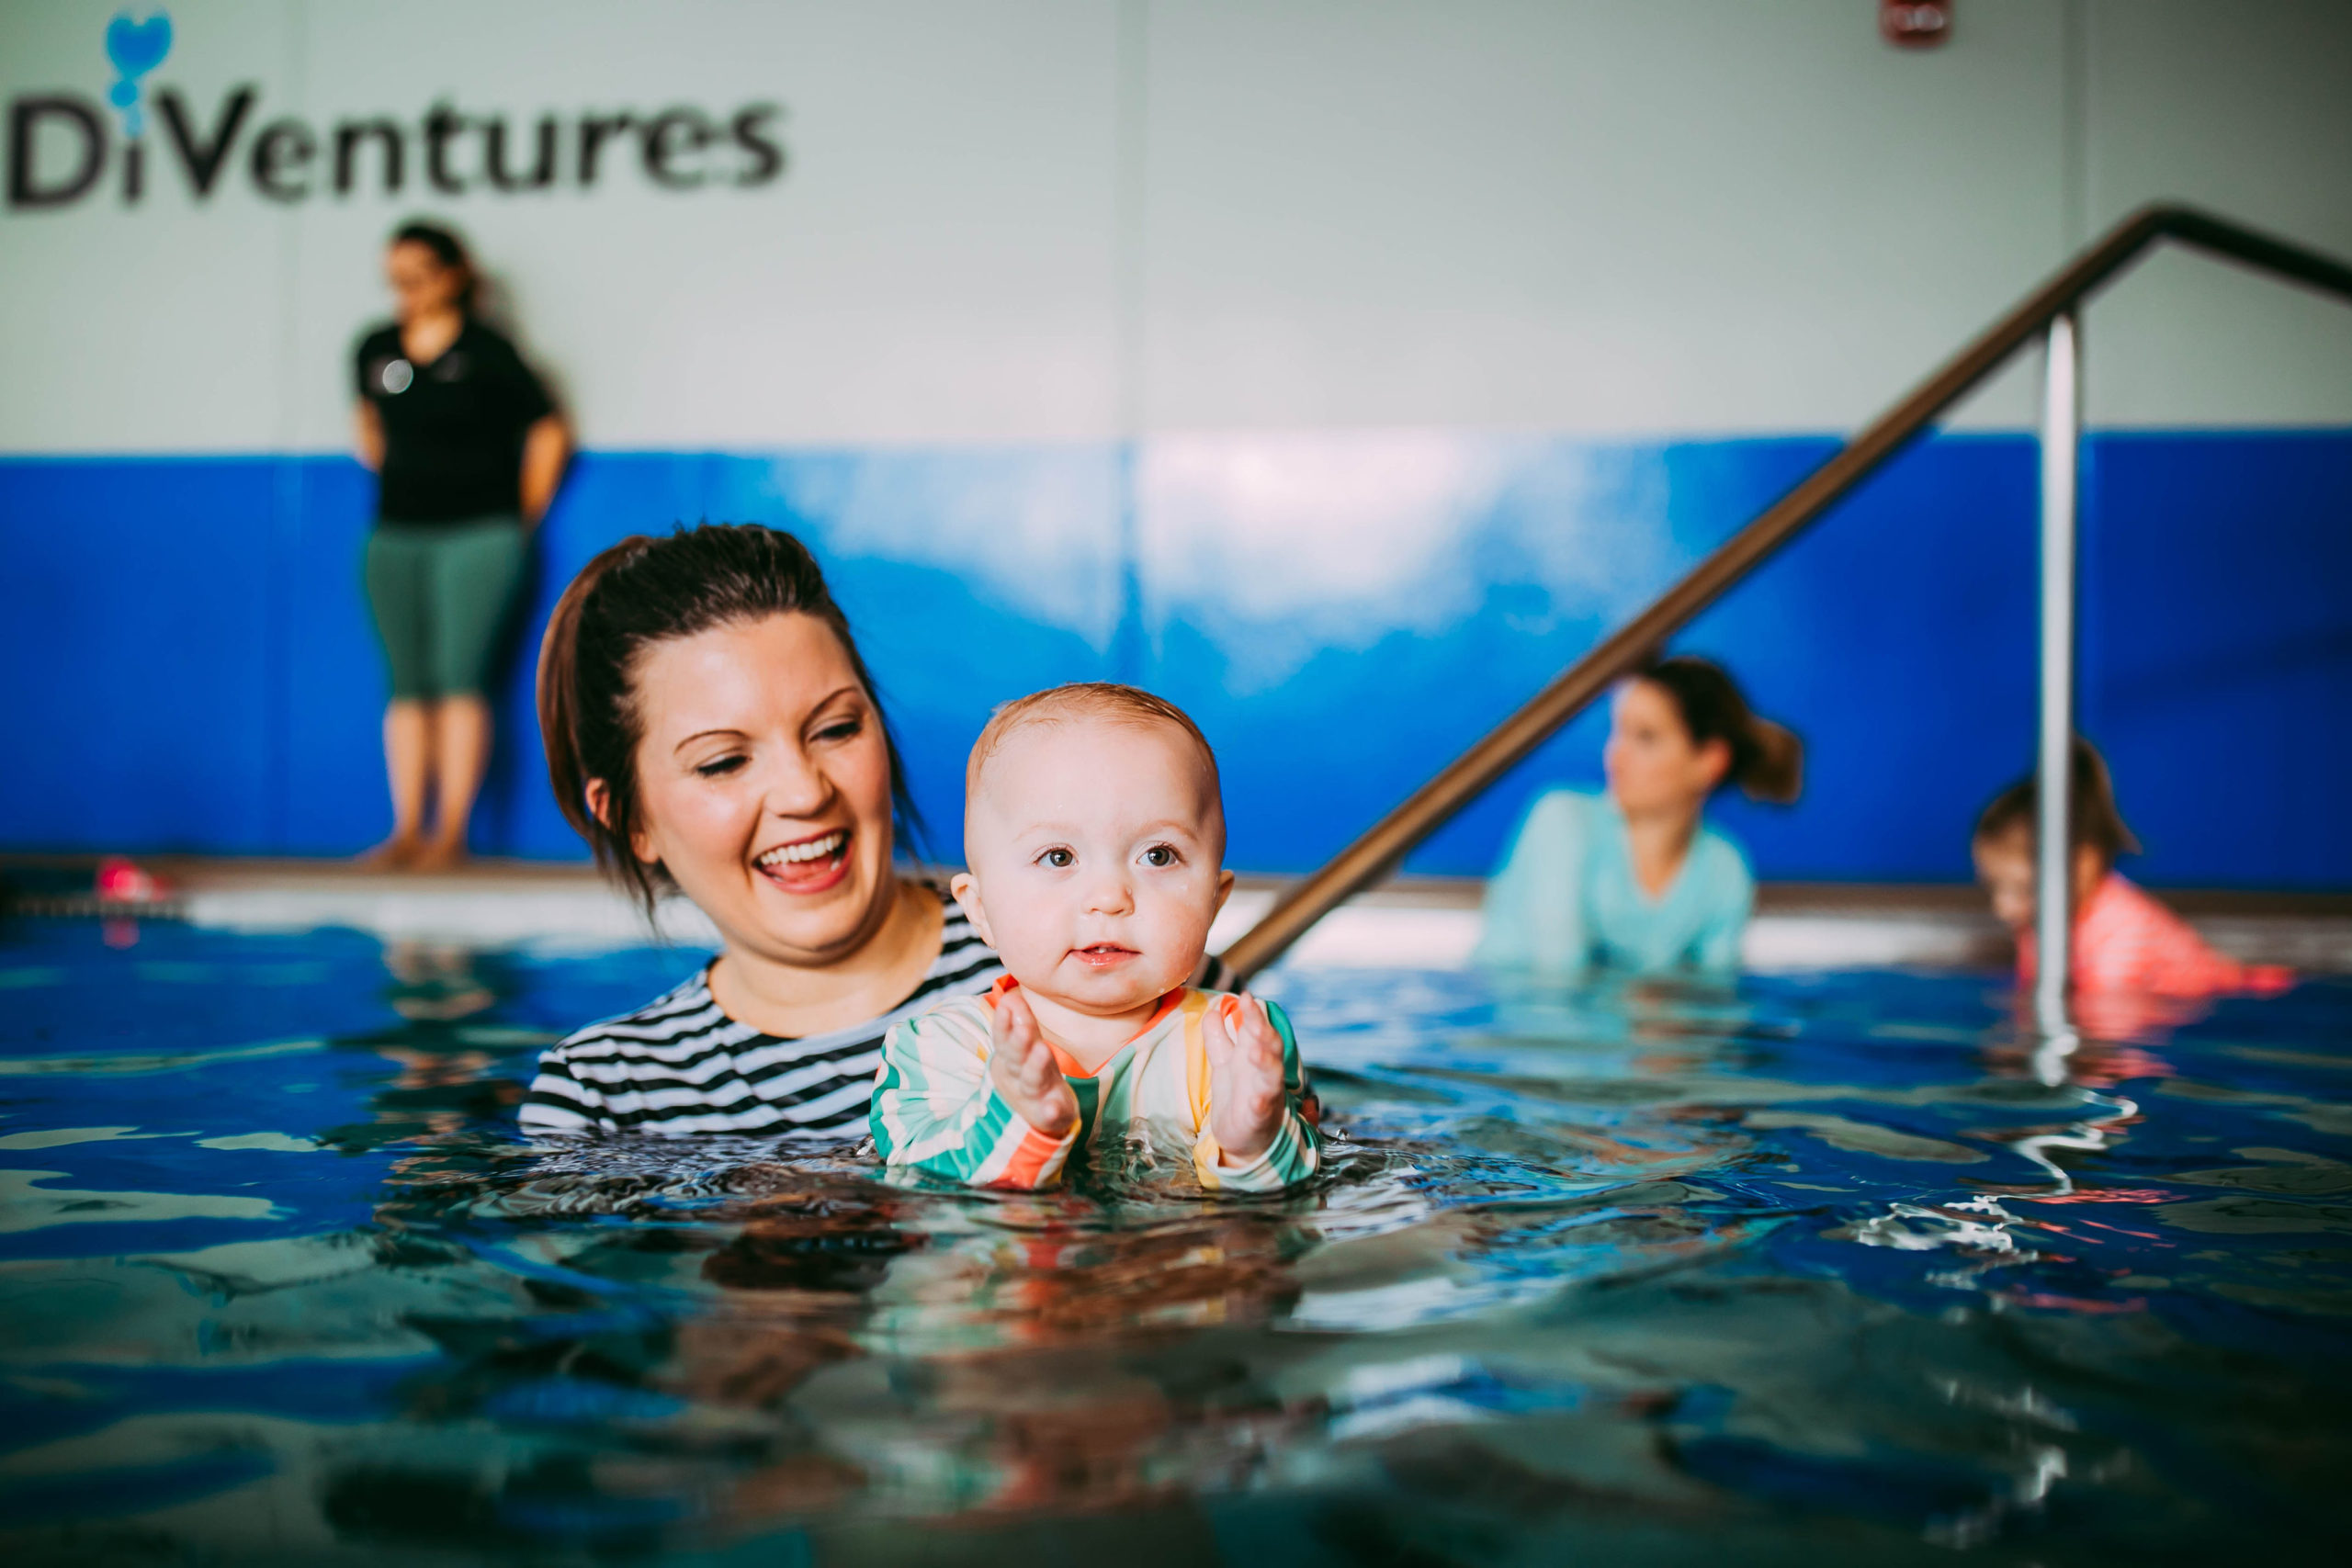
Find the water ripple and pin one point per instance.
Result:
(1836, 1266)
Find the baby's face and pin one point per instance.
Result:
(1095, 849)
(2005, 866)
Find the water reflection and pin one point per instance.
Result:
(1828, 1265)
(450, 1074)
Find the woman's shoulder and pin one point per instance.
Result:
(685, 1011)
(1554, 829)
(569, 1094)
(1561, 800)
(480, 336)
(1720, 859)
(1574, 814)
(381, 341)
(492, 348)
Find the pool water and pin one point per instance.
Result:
(1822, 1268)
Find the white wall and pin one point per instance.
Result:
(1059, 220)
(2245, 106)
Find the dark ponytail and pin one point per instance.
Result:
(1767, 761)
(641, 592)
(448, 249)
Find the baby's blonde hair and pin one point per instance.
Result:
(1106, 700)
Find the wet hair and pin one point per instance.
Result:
(1766, 759)
(649, 590)
(2093, 822)
(447, 248)
(1103, 699)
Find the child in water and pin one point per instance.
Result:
(2124, 939)
(1635, 880)
(1095, 833)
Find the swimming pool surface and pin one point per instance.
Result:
(1820, 1269)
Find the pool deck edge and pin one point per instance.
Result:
(1423, 922)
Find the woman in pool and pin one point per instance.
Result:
(1635, 880)
(468, 450)
(710, 728)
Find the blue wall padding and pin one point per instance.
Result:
(190, 665)
(2218, 619)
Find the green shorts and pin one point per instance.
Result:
(442, 594)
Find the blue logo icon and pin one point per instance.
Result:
(136, 48)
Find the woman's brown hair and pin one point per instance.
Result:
(1766, 759)
(647, 590)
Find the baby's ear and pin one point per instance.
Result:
(967, 890)
(1223, 891)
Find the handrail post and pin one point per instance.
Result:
(2062, 421)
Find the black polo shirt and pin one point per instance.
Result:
(453, 427)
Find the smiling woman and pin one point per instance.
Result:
(711, 729)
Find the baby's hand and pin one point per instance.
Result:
(1245, 1077)
(1022, 1067)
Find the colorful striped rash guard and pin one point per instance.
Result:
(681, 1065)
(937, 1110)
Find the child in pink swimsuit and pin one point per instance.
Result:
(2124, 939)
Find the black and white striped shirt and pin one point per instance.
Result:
(679, 1065)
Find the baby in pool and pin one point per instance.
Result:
(2124, 942)
(1095, 833)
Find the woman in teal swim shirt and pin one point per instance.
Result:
(1635, 880)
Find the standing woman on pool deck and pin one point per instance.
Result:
(1635, 880)
(469, 451)
(710, 728)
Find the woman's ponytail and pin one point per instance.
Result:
(1773, 769)
(1767, 759)
(559, 694)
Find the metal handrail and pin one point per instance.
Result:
(1378, 852)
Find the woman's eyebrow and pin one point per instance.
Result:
(852, 690)
(827, 701)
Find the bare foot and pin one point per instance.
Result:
(398, 852)
(440, 854)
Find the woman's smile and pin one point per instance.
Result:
(815, 863)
